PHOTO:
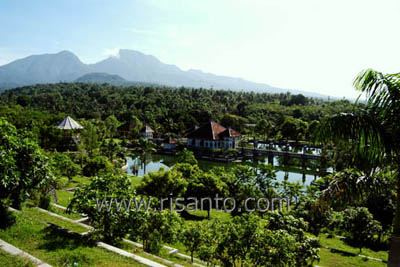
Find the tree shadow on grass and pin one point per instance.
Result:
(372, 245)
(58, 238)
(187, 216)
(349, 254)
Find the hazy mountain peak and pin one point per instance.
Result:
(65, 52)
(131, 65)
(46, 68)
(195, 71)
(126, 55)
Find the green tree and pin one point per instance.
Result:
(265, 179)
(242, 185)
(312, 129)
(163, 184)
(136, 125)
(111, 148)
(301, 129)
(64, 166)
(314, 214)
(290, 190)
(273, 248)
(264, 128)
(235, 239)
(294, 129)
(23, 166)
(102, 202)
(91, 137)
(143, 148)
(375, 130)
(289, 128)
(96, 164)
(206, 186)
(111, 124)
(186, 156)
(298, 100)
(193, 238)
(305, 249)
(234, 121)
(359, 226)
(154, 228)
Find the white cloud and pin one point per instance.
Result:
(113, 52)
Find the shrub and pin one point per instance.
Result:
(23, 167)
(96, 164)
(359, 226)
(64, 166)
(97, 201)
(154, 228)
(44, 201)
(163, 183)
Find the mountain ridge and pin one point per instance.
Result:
(130, 65)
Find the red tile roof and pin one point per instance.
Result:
(212, 131)
(172, 140)
(229, 133)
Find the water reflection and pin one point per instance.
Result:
(307, 150)
(291, 170)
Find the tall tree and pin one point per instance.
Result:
(144, 147)
(111, 124)
(23, 168)
(376, 130)
(264, 127)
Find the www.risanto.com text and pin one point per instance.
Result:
(179, 204)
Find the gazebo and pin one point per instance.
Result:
(69, 124)
(69, 142)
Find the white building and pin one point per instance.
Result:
(147, 132)
(213, 135)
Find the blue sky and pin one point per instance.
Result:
(310, 45)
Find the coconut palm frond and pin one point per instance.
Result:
(351, 186)
(361, 127)
(383, 90)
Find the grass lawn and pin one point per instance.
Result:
(164, 253)
(136, 180)
(337, 243)
(8, 260)
(73, 216)
(330, 259)
(64, 197)
(214, 214)
(57, 248)
(78, 180)
(41, 216)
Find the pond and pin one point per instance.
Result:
(290, 170)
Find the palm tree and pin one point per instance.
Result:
(375, 129)
(143, 148)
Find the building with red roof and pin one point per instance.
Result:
(213, 135)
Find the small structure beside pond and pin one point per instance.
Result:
(146, 132)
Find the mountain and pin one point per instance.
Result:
(128, 68)
(47, 68)
(136, 66)
(101, 77)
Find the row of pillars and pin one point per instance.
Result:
(303, 163)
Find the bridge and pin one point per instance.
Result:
(272, 153)
(283, 143)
